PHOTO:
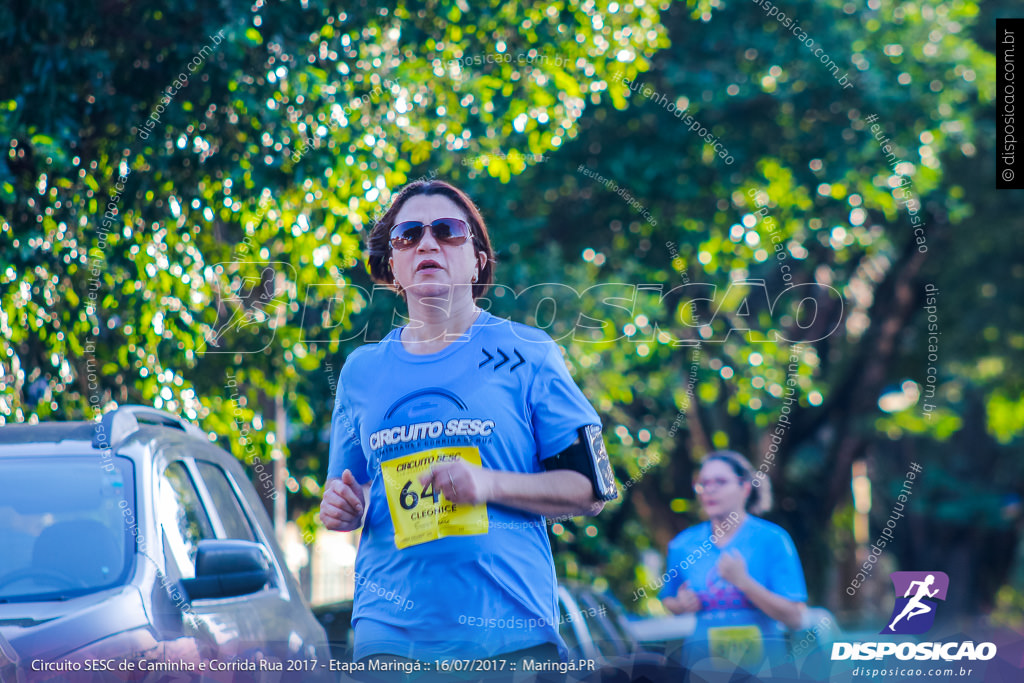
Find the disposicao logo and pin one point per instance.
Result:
(916, 592)
(913, 614)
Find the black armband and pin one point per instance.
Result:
(588, 456)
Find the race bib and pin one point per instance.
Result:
(741, 645)
(421, 513)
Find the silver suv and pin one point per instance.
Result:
(135, 545)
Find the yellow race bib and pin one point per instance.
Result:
(741, 645)
(420, 513)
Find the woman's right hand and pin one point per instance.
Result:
(685, 601)
(343, 502)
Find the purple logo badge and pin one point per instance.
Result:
(916, 595)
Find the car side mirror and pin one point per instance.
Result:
(226, 569)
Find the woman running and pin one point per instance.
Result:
(452, 439)
(738, 573)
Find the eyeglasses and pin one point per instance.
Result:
(450, 231)
(703, 485)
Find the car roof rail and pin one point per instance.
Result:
(117, 425)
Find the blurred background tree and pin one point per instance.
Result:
(237, 245)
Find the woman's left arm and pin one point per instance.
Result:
(733, 568)
(559, 493)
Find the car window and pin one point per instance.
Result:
(607, 640)
(65, 526)
(228, 508)
(182, 518)
(611, 613)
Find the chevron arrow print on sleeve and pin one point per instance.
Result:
(504, 359)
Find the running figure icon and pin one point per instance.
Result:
(915, 607)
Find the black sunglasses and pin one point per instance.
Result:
(450, 231)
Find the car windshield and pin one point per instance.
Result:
(63, 526)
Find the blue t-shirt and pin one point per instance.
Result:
(771, 560)
(502, 387)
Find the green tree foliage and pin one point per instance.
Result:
(834, 198)
(278, 130)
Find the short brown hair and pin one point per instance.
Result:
(380, 243)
